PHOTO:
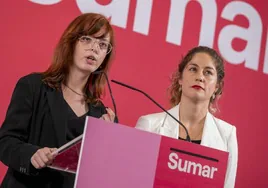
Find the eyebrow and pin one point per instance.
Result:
(208, 67)
(103, 38)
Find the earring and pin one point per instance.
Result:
(180, 88)
(213, 96)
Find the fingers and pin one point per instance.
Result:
(109, 116)
(42, 157)
(52, 150)
(35, 164)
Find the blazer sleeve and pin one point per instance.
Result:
(232, 160)
(15, 152)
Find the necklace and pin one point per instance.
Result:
(75, 91)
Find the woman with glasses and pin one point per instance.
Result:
(196, 86)
(48, 109)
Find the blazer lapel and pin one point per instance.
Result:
(59, 114)
(170, 127)
(211, 136)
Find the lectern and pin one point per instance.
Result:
(115, 155)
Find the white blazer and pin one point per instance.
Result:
(217, 134)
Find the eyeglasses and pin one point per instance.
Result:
(103, 45)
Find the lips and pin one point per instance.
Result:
(197, 87)
(91, 57)
(91, 60)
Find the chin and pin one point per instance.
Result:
(89, 69)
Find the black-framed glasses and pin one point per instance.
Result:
(103, 45)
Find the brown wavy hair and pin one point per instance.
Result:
(175, 90)
(57, 73)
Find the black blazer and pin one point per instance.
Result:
(36, 118)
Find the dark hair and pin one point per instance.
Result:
(57, 73)
(174, 89)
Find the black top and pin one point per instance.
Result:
(193, 141)
(75, 124)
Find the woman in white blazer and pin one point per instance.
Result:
(196, 86)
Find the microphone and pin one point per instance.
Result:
(110, 90)
(135, 89)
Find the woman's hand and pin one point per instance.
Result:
(109, 116)
(43, 157)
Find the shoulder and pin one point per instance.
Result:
(150, 121)
(31, 78)
(154, 116)
(30, 83)
(154, 121)
(160, 116)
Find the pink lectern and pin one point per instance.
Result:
(115, 155)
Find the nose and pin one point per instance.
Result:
(200, 77)
(93, 46)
